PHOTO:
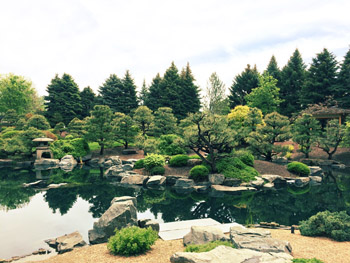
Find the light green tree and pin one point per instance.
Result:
(77, 127)
(164, 122)
(39, 122)
(215, 95)
(143, 117)
(124, 129)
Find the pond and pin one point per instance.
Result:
(28, 216)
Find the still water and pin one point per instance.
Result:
(28, 216)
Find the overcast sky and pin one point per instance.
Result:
(91, 39)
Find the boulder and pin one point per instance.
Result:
(127, 167)
(152, 224)
(316, 171)
(315, 179)
(156, 180)
(171, 179)
(184, 183)
(194, 162)
(258, 182)
(66, 243)
(216, 178)
(46, 163)
(203, 234)
(202, 187)
(134, 179)
(114, 171)
(271, 178)
(123, 199)
(232, 190)
(67, 163)
(225, 254)
(232, 182)
(258, 239)
(96, 162)
(302, 181)
(119, 215)
(269, 186)
(129, 161)
(50, 186)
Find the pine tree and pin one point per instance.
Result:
(143, 94)
(88, 101)
(321, 79)
(273, 70)
(129, 98)
(63, 102)
(243, 85)
(215, 94)
(292, 81)
(155, 94)
(343, 86)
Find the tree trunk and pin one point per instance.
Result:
(102, 149)
(126, 145)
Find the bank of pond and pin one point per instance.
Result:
(30, 215)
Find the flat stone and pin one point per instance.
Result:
(68, 242)
(128, 167)
(129, 151)
(171, 179)
(152, 224)
(258, 182)
(272, 177)
(46, 162)
(137, 179)
(316, 171)
(232, 190)
(123, 199)
(269, 186)
(302, 181)
(184, 183)
(232, 182)
(315, 179)
(216, 178)
(50, 186)
(203, 234)
(36, 183)
(156, 180)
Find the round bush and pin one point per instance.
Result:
(153, 160)
(158, 170)
(139, 164)
(199, 173)
(245, 156)
(132, 241)
(298, 168)
(171, 144)
(179, 160)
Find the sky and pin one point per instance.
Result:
(91, 39)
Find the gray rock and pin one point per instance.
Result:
(152, 224)
(46, 162)
(123, 199)
(316, 171)
(69, 242)
(50, 186)
(129, 151)
(67, 163)
(142, 222)
(258, 239)
(339, 166)
(315, 179)
(232, 190)
(271, 178)
(216, 178)
(156, 180)
(114, 171)
(258, 182)
(129, 161)
(112, 161)
(302, 181)
(119, 215)
(203, 234)
(36, 183)
(202, 187)
(6, 162)
(194, 162)
(224, 254)
(96, 162)
(232, 182)
(171, 179)
(269, 186)
(86, 158)
(184, 183)
(137, 179)
(128, 167)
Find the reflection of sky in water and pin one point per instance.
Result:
(23, 230)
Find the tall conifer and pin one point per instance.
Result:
(343, 86)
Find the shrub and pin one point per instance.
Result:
(208, 246)
(77, 147)
(298, 168)
(132, 241)
(334, 225)
(306, 260)
(194, 156)
(245, 156)
(199, 173)
(150, 146)
(171, 144)
(9, 133)
(139, 164)
(153, 160)
(178, 160)
(158, 170)
(39, 122)
(235, 168)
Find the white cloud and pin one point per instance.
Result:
(91, 39)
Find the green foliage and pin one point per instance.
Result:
(235, 168)
(208, 246)
(139, 164)
(179, 160)
(171, 144)
(11, 117)
(132, 241)
(266, 96)
(153, 160)
(76, 127)
(164, 122)
(39, 122)
(157, 170)
(124, 129)
(78, 147)
(199, 173)
(9, 133)
(298, 168)
(334, 225)
(144, 118)
(342, 90)
(306, 260)
(215, 94)
(245, 156)
(88, 101)
(150, 145)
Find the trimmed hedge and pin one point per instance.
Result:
(334, 225)
(245, 156)
(199, 173)
(153, 160)
(139, 164)
(179, 160)
(298, 168)
(235, 168)
(132, 241)
(158, 170)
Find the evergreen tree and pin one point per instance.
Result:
(88, 101)
(273, 70)
(63, 102)
(77, 127)
(243, 85)
(154, 99)
(124, 129)
(164, 122)
(129, 98)
(292, 81)
(143, 94)
(321, 79)
(144, 118)
(215, 94)
(343, 87)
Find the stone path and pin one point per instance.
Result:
(178, 229)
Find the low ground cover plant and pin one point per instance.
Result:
(199, 173)
(298, 168)
(179, 160)
(245, 156)
(158, 170)
(132, 241)
(306, 260)
(334, 225)
(208, 246)
(235, 168)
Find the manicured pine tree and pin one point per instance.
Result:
(88, 101)
(155, 94)
(63, 102)
(321, 79)
(292, 81)
(243, 85)
(273, 70)
(343, 86)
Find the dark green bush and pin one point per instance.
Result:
(334, 225)
(235, 168)
(171, 144)
(153, 160)
(77, 147)
(199, 173)
(179, 160)
(298, 168)
(208, 246)
(245, 156)
(139, 164)
(132, 241)
(158, 170)
(306, 260)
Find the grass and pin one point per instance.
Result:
(208, 246)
